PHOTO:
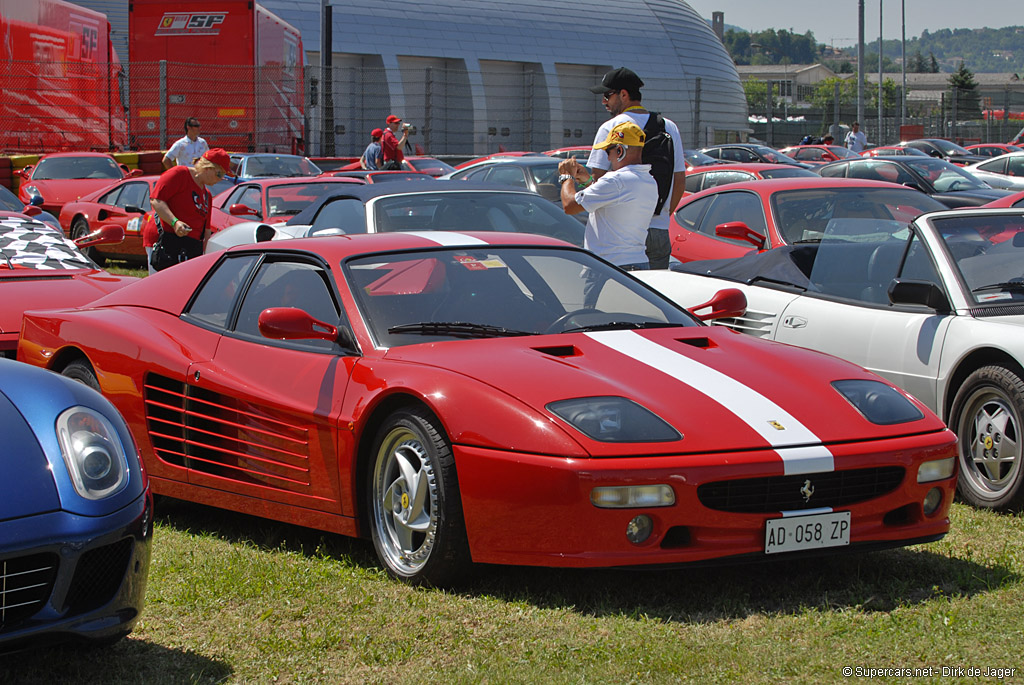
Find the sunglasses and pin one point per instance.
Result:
(193, 125)
(609, 94)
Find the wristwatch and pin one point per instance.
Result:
(566, 177)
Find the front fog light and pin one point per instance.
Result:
(940, 469)
(932, 501)
(639, 529)
(633, 497)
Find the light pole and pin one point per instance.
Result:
(878, 133)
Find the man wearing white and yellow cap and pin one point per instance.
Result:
(620, 203)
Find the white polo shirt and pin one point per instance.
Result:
(620, 204)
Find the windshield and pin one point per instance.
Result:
(474, 211)
(9, 201)
(949, 148)
(292, 198)
(30, 245)
(786, 171)
(850, 214)
(259, 166)
(53, 168)
(457, 293)
(842, 152)
(989, 252)
(697, 158)
(774, 156)
(944, 176)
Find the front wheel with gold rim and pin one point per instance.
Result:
(418, 528)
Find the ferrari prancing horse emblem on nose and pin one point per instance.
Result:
(807, 490)
(776, 425)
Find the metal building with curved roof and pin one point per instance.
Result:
(478, 75)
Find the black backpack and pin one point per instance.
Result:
(660, 154)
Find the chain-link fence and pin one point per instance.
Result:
(330, 111)
(963, 116)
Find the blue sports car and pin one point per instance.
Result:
(76, 514)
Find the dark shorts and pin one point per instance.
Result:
(659, 248)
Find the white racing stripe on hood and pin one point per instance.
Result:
(447, 238)
(800, 449)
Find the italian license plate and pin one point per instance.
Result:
(813, 531)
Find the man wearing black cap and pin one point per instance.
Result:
(620, 91)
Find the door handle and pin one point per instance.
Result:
(794, 322)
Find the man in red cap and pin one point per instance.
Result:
(391, 146)
(371, 159)
(181, 202)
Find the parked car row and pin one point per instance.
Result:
(332, 361)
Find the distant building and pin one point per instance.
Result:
(476, 76)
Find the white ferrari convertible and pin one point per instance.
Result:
(936, 306)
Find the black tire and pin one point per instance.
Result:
(416, 520)
(988, 418)
(80, 370)
(79, 228)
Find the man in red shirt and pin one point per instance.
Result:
(392, 146)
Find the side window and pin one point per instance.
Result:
(477, 174)
(233, 197)
(688, 216)
(134, 195)
(252, 198)
(694, 181)
(714, 152)
(346, 213)
(509, 175)
(721, 178)
(996, 166)
(735, 206)
(216, 297)
(288, 284)
(110, 198)
(1015, 166)
(833, 170)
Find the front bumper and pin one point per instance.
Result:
(96, 588)
(535, 510)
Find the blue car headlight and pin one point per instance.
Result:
(613, 419)
(879, 403)
(93, 453)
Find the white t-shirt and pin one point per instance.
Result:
(856, 141)
(620, 205)
(186, 151)
(599, 158)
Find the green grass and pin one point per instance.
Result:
(241, 600)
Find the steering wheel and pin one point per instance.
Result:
(955, 185)
(559, 324)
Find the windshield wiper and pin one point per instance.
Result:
(460, 329)
(619, 325)
(1009, 285)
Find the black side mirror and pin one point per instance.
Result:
(918, 292)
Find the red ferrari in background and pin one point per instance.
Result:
(730, 221)
(271, 200)
(519, 153)
(890, 150)
(992, 149)
(497, 398)
(61, 177)
(1014, 200)
(818, 154)
(704, 177)
(125, 203)
(41, 269)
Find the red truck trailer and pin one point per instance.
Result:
(231, 63)
(60, 82)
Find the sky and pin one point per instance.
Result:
(834, 22)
